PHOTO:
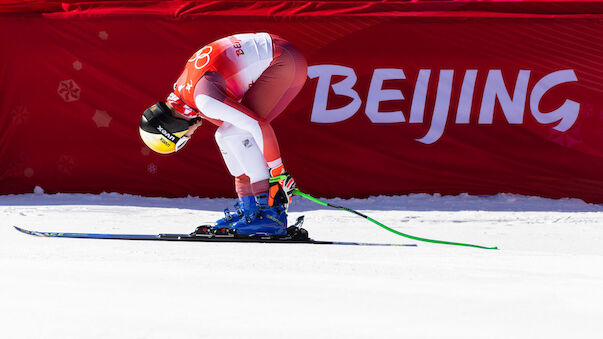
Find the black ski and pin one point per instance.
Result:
(202, 238)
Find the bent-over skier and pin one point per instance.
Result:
(239, 83)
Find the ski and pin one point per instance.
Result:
(191, 238)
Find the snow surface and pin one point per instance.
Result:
(545, 282)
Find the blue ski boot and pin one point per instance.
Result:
(245, 205)
(266, 220)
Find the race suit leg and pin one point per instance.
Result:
(272, 92)
(243, 159)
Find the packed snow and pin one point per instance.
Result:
(546, 281)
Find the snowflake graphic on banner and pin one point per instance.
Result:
(69, 90)
(101, 118)
(152, 168)
(28, 172)
(65, 164)
(20, 115)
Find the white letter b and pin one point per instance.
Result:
(320, 113)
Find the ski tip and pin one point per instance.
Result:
(34, 233)
(22, 230)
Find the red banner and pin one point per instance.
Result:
(401, 97)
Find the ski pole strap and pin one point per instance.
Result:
(277, 178)
(311, 198)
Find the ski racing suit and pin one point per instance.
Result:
(241, 83)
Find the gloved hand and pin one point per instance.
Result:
(281, 187)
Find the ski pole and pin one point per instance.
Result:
(324, 203)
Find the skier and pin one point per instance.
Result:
(239, 83)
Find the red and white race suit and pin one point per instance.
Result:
(241, 83)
